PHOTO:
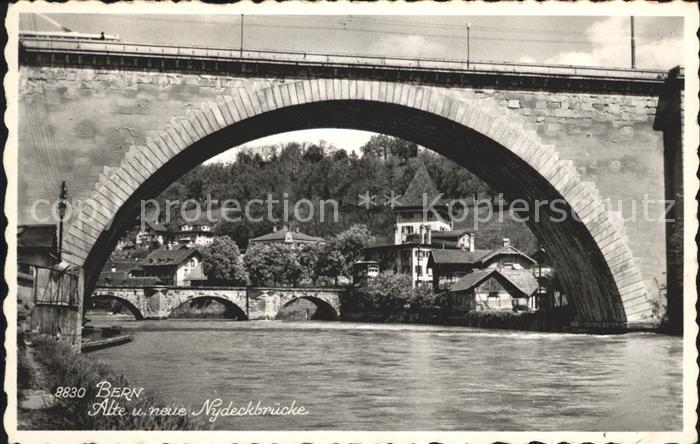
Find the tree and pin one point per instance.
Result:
(384, 146)
(222, 262)
(273, 264)
(259, 262)
(331, 264)
(350, 244)
(387, 292)
(309, 255)
(287, 265)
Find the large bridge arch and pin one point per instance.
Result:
(591, 252)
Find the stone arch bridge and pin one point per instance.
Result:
(578, 135)
(243, 303)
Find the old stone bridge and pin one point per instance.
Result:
(242, 303)
(129, 119)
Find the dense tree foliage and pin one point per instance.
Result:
(393, 296)
(222, 262)
(323, 172)
(283, 264)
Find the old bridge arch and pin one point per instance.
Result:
(591, 252)
(131, 304)
(324, 310)
(232, 309)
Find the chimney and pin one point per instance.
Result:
(274, 228)
(506, 242)
(422, 234)
(297, 229)
(113, 269)
(428, 235)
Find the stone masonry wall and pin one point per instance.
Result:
(92, 117)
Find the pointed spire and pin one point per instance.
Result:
(421, 184)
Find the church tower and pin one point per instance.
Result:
(419, 212)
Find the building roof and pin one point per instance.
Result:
(507, 250)
(165, 256)
(421, 185)
(523, 279)
(520, 282)
(37, 236)
(449, 234)
(121, 279)
(122, 266)
(281, 236)
(456, 256)
(473, 279)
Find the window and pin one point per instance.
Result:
(419, 270)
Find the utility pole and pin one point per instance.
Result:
(241, 35)
(632, 41)
(62, 196)
(468, 26)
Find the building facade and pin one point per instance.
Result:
(171, 265)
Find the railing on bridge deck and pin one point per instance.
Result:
(336, 60)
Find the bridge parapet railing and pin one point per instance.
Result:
(251, 55)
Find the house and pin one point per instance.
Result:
(491, 289)
(171, 265)
(363, 271)
(295, 238)
(195, 233)
(196, 277)
(412, 225)
(37, 245)
(448, 265)
(462, 239)
(507, 257)
(150, 234)
(416, 234)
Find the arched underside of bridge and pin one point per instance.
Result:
(125, 303)
(591, 252)
(324, 310)
(232, 310)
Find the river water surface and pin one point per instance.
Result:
(354, 376)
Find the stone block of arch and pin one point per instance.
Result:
(598, 269)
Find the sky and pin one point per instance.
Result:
(569, 40)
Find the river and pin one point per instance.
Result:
(355, 376)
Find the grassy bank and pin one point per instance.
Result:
(48, 364)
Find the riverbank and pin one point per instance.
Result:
(46, 365)
(557, 320)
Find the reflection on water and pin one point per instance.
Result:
(406, 377)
